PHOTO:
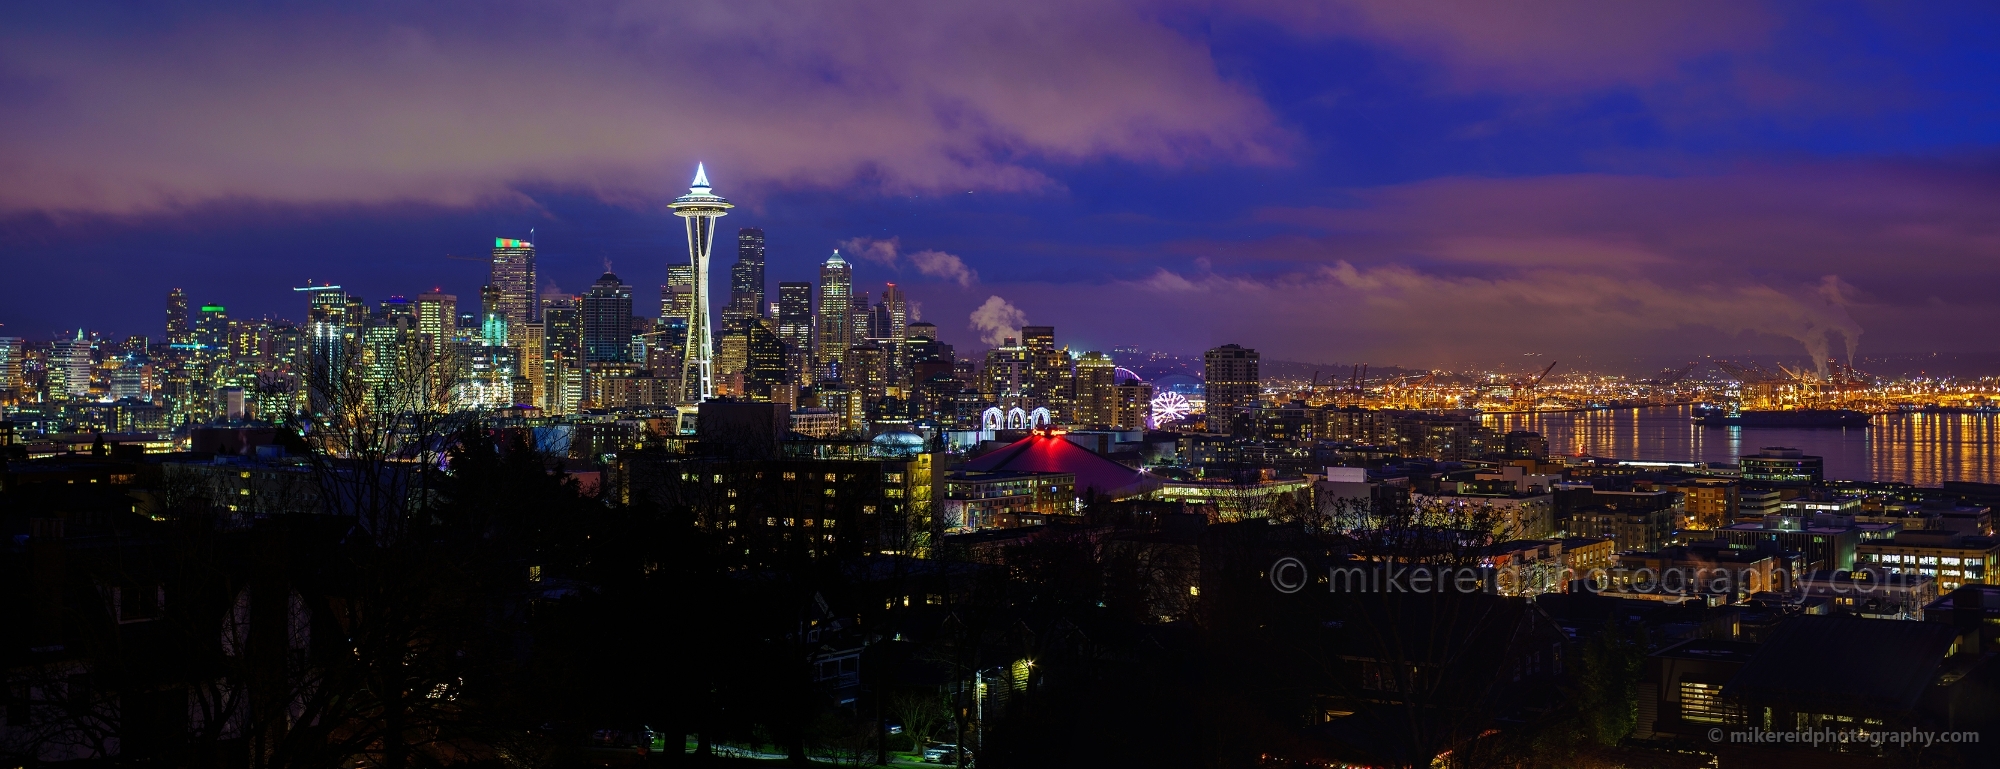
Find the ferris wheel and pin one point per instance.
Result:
(1170, 407)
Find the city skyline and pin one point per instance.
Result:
(1686, 180)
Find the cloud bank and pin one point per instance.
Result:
(458, 103)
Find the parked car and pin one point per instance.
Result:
(944, 754)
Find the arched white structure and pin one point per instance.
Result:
(1040, 417)
(992, 419)
(1017, 419)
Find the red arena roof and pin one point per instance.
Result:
(1047, 453)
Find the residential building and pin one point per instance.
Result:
(1951, 557)
(1230, 378)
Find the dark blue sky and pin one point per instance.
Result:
(1440, 184)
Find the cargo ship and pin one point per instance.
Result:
(1717, 417)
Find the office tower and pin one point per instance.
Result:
(1038, 337)
(513, 280)
(732, 353)
(1132, 405)
(677, 296)
(357, 316)
(177, 318)
(867, 372)
(700, 207)
(69, 368)
(857, 319)
(528, 357)
(130, 381)
(1096, 380)
(795, 325)
(211, 332)
(250, 340)
(1230, 380)
(11, 350)
(836, 303)
(396, 310)
(325, 333)
(767, 366)
(894, 314)
(489, 304)
(746, 279)
(562, 328)
(437, 314)
(606, 314)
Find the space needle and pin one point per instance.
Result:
(700, 208)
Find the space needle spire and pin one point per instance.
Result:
(700, 207)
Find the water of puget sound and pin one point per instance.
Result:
(1920, 449)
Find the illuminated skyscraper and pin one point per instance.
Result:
(746, 279)
(836, 305)
(1229, 380)
(437, 320)
(795, 327)
(513, 280)
(69, 368)
(1096, 397)
(893, 314)
(11, 350)
(326, 337)
(177, 318)
(700, 207)
(211, 331)
(607, 321)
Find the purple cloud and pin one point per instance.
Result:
(459, 103)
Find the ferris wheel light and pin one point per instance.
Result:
(1170, 407)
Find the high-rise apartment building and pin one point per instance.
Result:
(1095, 390)
(177, 318)
(513, 280)
(1229, 380)
(700, 207)
(1132, 405)
(746, 279)
(795, 328)
(606, 312)
(836, 306)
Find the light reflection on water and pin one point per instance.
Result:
(1920, 449)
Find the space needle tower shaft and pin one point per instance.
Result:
(700, 207)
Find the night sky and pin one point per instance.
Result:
(1417, 184)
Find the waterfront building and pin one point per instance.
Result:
(1952, 558)
(1780, 465)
